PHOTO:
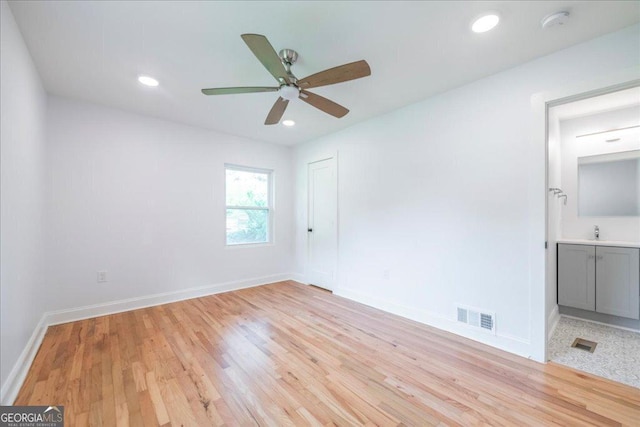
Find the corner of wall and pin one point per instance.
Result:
(552, 321)
(17, 375)
(23, 157)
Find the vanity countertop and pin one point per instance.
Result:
(593, 242)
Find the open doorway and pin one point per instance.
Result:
(593, 231)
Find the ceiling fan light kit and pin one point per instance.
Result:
(290, 87)
(289, 92)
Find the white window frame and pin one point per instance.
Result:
(268, 208)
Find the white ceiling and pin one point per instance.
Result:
(94, 50)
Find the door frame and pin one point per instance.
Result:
(541, 325)
(329, 156)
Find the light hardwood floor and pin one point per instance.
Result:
(289, 354)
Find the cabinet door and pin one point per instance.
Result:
(618, 282)
(576, 276)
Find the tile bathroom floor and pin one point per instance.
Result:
(616, 357)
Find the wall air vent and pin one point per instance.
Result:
(486, 321)
(481, 319)
(462, 315)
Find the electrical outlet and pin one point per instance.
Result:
(386, 274)
(102, 276)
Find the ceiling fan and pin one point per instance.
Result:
(289, 86)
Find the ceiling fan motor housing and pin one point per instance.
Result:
(288, 56)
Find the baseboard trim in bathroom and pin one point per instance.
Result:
(582, 344)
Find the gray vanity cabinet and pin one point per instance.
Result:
(577, 276)
(617, 281)
(600, 278)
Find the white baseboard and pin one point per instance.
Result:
(622, 328)
(113, 307)
(552, 322)
(16, 377)
(11, 386)
(504, 342)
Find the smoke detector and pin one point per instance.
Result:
(555, 19)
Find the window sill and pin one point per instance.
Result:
(248, 245)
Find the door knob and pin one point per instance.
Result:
(310, 230)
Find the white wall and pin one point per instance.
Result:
(580, 227)
(22, 152)
(143, 199)
(449, 195)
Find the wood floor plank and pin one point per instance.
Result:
(286, 354)
(156, 397)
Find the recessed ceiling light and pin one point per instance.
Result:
(485, 23)
(288, 123)
(148, 81)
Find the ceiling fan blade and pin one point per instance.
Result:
(274, 116)
(265, 53)
(324, 104)
(342, 73)
(233, 90)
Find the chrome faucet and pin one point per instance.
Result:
(596, 232)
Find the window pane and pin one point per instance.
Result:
(247, 188)
(247, 226)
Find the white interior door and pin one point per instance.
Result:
(322, 230)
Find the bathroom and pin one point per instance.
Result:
(593, 235)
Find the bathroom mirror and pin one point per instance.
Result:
(609, 184)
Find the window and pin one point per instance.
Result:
(248, 200)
